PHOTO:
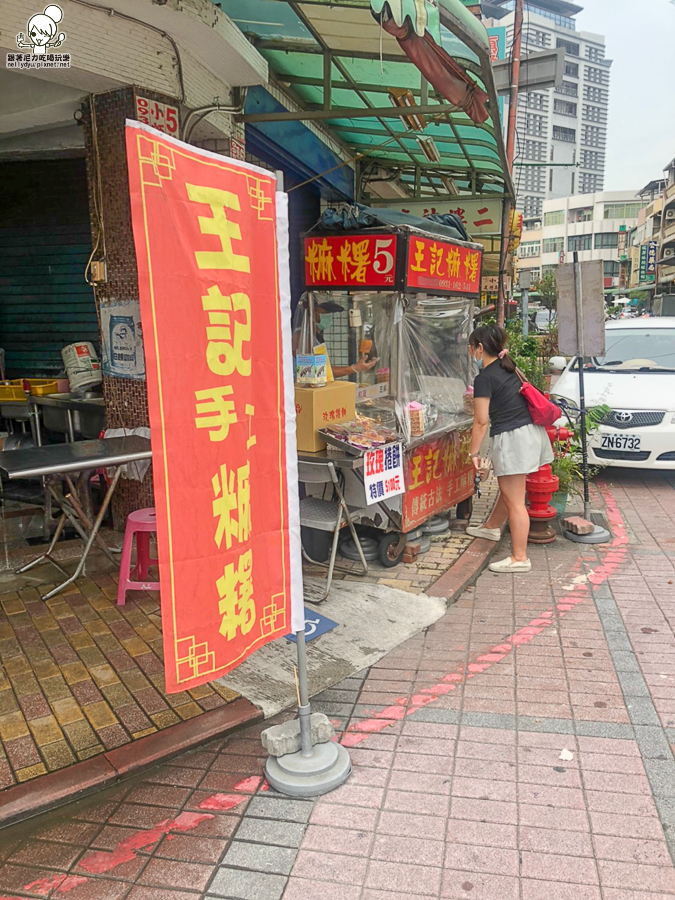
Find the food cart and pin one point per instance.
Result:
(406, 293)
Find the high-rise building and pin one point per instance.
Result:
(567, 124)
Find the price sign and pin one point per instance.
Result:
(159, 115)
(383, 473)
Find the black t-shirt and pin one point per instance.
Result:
(508, 407)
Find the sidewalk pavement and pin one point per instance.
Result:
(519, 749)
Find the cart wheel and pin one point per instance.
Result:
(465, 508)
(388, 551)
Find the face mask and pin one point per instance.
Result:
(479, 363)
(326, 323)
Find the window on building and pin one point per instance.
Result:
(567, 87)
(555, 217)
(531, 178)
(533, 150)
(592, 135)
(569, 135)
(571, 49)
(535, 124)
(591, 159)
(553, 245)
(545, 270)
(595, 113)
(597, 76)
(595, 94)
(529, 249)
(584, 214)
(565, 108)
(532, 206)
(579, 242)
(606, 241)
(589, 183)
(536, 101)
(595, 54)
(572, 69)
(622, 210)
(535, 37)
(610, 268)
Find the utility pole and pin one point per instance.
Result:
(510, 153)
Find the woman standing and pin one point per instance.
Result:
(518, 447)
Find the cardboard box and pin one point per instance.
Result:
(317, 407)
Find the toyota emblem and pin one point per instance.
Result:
(623, 417)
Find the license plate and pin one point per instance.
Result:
(620, 442)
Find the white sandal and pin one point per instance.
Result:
(508, 566)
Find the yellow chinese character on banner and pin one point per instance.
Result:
(227, 334)
(432, 460)
(215, 412)
(436, 260)
(235, 588)
(219, 225)
(450, 456)
(416, 474)
(471, 266)
(231, 498)
(320, 259)
(419, 258)
(354, 259)
(465, 448)
(454, 258)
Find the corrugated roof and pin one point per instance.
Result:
(303, 41)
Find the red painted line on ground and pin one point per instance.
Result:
(249, 785)
(615, 553)
(222, 801)
(62, 883)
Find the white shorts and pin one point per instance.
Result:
(521, 451)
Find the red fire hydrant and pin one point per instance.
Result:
(541, 486)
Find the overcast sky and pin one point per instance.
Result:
(640, 38)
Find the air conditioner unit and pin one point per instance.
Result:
(670, 214)
(669, 252)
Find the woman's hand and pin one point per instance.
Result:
(363, 365)
(481, 465)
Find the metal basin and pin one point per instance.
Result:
(87, 411)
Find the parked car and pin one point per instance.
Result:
(636, 379)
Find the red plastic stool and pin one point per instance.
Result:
(142, 523)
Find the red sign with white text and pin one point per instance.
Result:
(206, 244)
(351, 261)
(438, 476)
(441, 266)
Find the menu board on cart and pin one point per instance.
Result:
(214, 303)
(437, 266)
(351, 261)
(438, 475)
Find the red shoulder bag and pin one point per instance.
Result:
(542, 410)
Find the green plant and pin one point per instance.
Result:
(548, 291)
(526, 353)
(568, 461)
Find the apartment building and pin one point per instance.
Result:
(561, 132)
(591, 224)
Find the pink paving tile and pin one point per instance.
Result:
(484, 789)
(549, 817)
(337, 840)
(427, 827)
(191, 848)
(633, 850)
(478, 886)
(605, 801)
(369, 894)
(169, 873)
(557, 775)
(636, 877)
(547, 795)
(485, 834)
(619, 783)
(305, 889)
(354, 795)
(418, 781)
(479, 751)
(354, 817)
(435, 765)
(481, 768)
(556, 867)
(97, 889)
(330, 867)
(409, 849)
(557, 890)
(390, 876)
(618, 894)
(549, 840)
(627, 826)
(147, 893)
(494, 860)
(409, 802)
(484, 810)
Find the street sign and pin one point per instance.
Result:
(315, 626)
(525, 279)
(591, 298)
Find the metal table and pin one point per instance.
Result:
(340, 459)
(59, 463)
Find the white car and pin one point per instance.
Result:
(636, 379)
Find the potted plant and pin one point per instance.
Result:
(567, 464)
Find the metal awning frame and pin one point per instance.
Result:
(410, 168)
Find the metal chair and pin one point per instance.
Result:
(327, 515)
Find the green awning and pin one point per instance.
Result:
(334, 60)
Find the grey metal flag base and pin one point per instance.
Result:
(326, 768)
(598, 536)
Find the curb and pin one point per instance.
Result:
(464, 571)
(47, 792)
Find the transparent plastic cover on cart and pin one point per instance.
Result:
(416, 349)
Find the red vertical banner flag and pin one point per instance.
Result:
(206, 238)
